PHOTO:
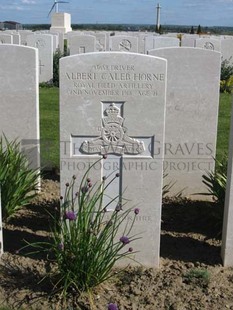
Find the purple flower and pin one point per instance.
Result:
(136, 211)
(112, 306)
(70, 215)
(130, 249)
(124, 240)
(118, 207)
(84, 189)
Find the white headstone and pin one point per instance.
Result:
(227, 50)
(100, 42)
(55, 42)
(149, 43)
(19, 118)
(227, 233)
(124, 44)
(209, 44)
(82, 44)
(59, 41)
(93, 87)
(191, 117)
(44, 43)
(141, 42)
(23, 36)
(15, 36)
(188, 42)
(160, 42)
(6, 38)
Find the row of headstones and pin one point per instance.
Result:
(79, 42)
(117, 104)
(143, 43)
(47, 44)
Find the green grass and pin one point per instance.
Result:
(223, 124)
(49, 126)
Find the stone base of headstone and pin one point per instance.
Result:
(61, 22)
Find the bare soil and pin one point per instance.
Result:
(190, 276)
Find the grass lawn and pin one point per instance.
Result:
(49, 126)
(223, 124)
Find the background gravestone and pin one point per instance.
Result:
(187, 42)
(114, 103)
(100, 41)
(6, 38)
(227, 50)
(81, 44)
(15, 36)
(44, 43)
(160, 42)
(19, 118)
(191, 117)
(124, 44)
(209, 44)
(23, 36)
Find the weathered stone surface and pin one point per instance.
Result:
(191, 117)
(114, 103)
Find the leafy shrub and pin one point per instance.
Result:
(216, 180)
(56, 57)
(226, 83)
(48, 84)
(18, 183)
(168, 186)
(226, 69)
(86, 237)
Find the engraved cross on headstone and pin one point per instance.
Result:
(41, 67)
(114, 142)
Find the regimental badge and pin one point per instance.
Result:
(113, 138)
